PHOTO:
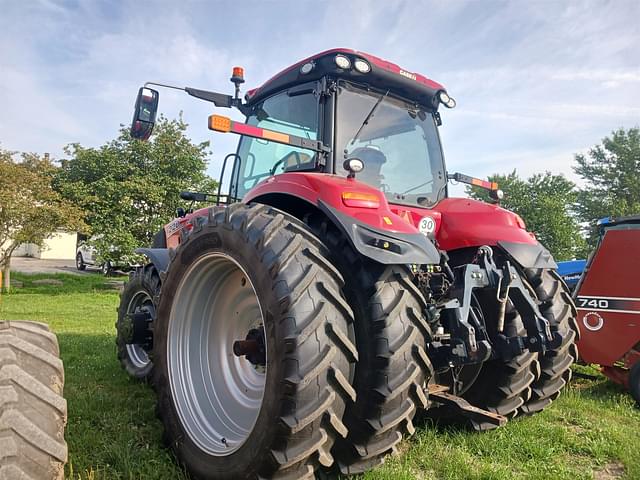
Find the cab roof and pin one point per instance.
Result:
(383, 75)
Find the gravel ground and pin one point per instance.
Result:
(35, 265)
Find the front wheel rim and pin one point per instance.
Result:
(141, 301)
(217, 395)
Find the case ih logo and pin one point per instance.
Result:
(173, 227)
(410, 75)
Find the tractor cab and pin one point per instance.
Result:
(357, 106)
(328, 109)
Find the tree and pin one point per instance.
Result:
(30, 209)
(611, 172)
(129, 189)
(544, 201)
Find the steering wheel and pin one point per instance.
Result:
(284, 159)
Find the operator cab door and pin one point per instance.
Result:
(296, 112)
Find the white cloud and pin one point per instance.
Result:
(535, 81)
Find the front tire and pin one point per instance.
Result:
(252, 269)
(80, 265)
(138, 296)
(107, 268)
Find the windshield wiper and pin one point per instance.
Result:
(417, 187)
(368, 117)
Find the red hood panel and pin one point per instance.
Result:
(462, 222)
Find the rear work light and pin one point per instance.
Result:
(446, 100)
(361, 66)
(307, 67)
(343, 62)
(360, 200)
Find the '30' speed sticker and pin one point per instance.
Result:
(427, 225)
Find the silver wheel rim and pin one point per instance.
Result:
(140, 301)
(217, 395)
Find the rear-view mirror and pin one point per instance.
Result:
(144, 115)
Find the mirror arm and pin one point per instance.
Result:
(218, 99)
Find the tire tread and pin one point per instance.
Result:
(33, 412)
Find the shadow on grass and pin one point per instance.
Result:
(92, 282)
(112, 430)
(443, 422)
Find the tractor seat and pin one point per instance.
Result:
(295, 161)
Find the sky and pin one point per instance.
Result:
(535, 81)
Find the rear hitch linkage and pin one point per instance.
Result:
(470, 342)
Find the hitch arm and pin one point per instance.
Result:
(509, 284)
(466, 348)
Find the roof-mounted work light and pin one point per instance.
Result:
(361, 65)
(343, 62)
(446, 100)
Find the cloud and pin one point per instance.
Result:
(535, 81)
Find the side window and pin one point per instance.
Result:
(295, 115)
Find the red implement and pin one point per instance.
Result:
(608, 302)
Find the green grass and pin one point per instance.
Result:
(113, 432)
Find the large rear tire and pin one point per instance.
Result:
(556, 306)
(33, 412)
(138, 296)
(251, 269)
(393, 368)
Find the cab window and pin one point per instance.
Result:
(295, 114)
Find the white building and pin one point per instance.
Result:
(59, 246)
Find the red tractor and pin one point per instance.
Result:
(337, 291)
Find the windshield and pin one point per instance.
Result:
(398, 144)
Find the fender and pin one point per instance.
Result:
(529, 255)
(382, 246)
(158, 256)
(377, 233)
